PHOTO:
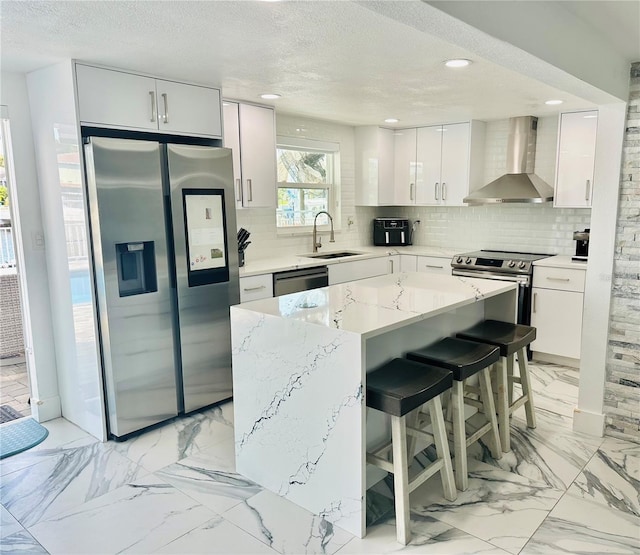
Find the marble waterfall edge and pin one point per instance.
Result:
(313, 391)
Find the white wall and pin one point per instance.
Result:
(261, 222)
(40, 348)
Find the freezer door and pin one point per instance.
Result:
(132, 281)
(204, 228)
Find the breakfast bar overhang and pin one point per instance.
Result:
(299, 377)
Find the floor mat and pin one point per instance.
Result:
(20, 435)
(8, 413)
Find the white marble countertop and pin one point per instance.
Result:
(259, 266)
(373, 306)
(561, 261)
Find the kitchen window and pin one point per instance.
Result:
(308, 173)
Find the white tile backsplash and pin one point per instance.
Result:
(518, 227)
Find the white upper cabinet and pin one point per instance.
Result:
(575, 161)
(450, 162)
(121, 100)
(250, 131)
(374, 166)
(188, 109)
(405, 177)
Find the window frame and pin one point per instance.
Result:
(332, 185)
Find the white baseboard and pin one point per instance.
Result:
(591, 423)
(46, 409)
(555, 359)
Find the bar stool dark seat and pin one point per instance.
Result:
(511, 339)
(398, 389)
(466, 359)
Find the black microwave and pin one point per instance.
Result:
(393, 232)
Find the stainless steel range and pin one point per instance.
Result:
(505, 266)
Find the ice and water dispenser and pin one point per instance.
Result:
(136, 268)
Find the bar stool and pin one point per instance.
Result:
(465, 359)
(399, 388)
(511, 339)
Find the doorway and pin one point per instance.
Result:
(15, 391)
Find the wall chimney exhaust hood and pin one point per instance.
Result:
(519, 184)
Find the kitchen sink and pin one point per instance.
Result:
(332, 255)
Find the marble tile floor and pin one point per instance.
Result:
(175, 490)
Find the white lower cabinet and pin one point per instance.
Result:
(433, 265)
(556, 312)
(253, 288)
(361, 269)
(408, 262)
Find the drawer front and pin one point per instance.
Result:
(434, 265)
(562, 279)
(253, 288)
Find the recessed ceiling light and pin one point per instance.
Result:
(391, 120)
(460, 62)
(269, 96)
(553, 102)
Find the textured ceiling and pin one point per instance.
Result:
(332, 60)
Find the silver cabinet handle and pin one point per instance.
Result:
(391, 266)
(165, 117)
(444, 191)
(587, 192)
(152, 96)
(254, 288)
(558, 279)
(411, 185)
(435, 190)
(433, 266)
(239, 186)
(250, 190)
(535, 297)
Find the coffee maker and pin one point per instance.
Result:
(582, 245)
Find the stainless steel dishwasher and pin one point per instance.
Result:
(303, 279)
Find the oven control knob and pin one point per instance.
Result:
(468, 260)
(511, 264)
(521, 264)
(459, 260)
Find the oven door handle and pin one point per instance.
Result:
(524, 280)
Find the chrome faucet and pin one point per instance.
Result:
(332, 239)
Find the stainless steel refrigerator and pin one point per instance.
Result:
(163, 231)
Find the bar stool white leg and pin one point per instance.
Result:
(526, 388)
(442, 448)
(490, 412)
(401, 478)
(503, 405)
(459, 436)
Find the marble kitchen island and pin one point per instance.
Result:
(299, 371)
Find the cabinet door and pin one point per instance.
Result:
(258, 155)
(429, 161)
(434, 265)
(557, 315)
(408, 263)
(404, 182)
(455, 164)
(576, 156)
(231, 139)
(116, 99)
(188, 109)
